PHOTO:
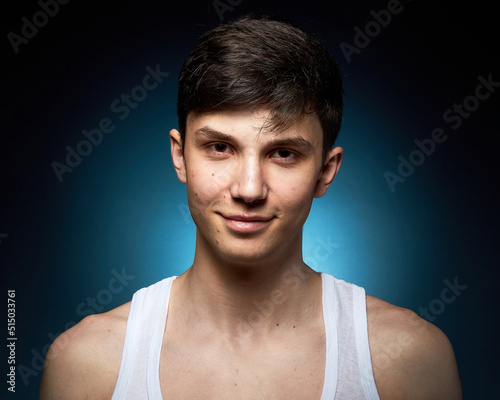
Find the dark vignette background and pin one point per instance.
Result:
(121, 212)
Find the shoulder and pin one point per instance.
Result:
(411, 357)
(88, 355)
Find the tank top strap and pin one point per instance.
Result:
(332, 351)
(362, 344)
(355, 380)
(139, 370)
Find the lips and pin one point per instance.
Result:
(246, 223)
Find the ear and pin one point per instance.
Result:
(178, 154)
(330, 168)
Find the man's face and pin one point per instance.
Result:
(250, 192)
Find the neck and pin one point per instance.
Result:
(250, 300)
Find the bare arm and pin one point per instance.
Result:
(83, 362)
(412, 359)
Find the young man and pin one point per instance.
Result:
(260, 105)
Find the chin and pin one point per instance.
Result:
(258, 254)
(246, 258)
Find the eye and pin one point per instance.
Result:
(220, 147)
(283, 154)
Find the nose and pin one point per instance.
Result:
(249, 183)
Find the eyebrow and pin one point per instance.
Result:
(209, 133)
(297, 142)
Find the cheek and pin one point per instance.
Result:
(205, 185)
(298, 188)
(296, 198)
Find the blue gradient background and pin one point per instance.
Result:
(123, 208)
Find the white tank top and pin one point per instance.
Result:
(346, 331)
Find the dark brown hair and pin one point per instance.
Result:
(262, 62)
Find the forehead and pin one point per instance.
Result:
(253, 125)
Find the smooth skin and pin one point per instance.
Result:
(250, 192)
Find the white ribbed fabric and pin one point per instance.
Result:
(355, 380)
(139, 375)
(346, 331)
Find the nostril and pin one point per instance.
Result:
(252, 202)
(249, 183)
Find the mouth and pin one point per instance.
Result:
(246, 223)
